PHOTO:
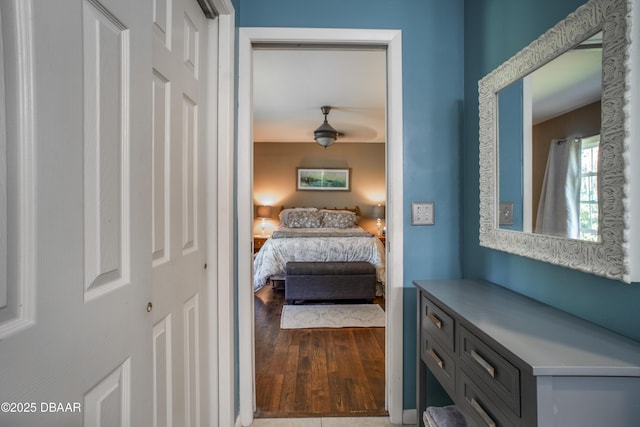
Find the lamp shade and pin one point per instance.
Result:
(378, 211)
(264, 211)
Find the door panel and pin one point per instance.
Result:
(190, 201)
(192, 370)
(179, 83)
(79, 277)
(162, 21)
(17, 166)
(106, 145)
(108, 403)
(162, 373)
(161, 167)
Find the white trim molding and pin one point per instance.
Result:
(392, 40)
(221, 220)
(410, 417)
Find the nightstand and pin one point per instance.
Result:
(258, 242)
(383, 239)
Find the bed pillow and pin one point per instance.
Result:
(338, 219)
(284, 214)
(304, 219)
(346, 211)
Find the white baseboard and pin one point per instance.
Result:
(410, 417)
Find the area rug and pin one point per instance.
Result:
(332, 316)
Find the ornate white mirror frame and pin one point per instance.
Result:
(610, 256)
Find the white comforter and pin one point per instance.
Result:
(276, 252)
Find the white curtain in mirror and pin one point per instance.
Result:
(559, 207)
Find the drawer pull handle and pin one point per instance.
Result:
(435, 357)
(483, 414)
(485, 365)
(435, 320)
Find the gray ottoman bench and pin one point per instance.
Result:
(329, 281)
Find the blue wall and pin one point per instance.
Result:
(432, 37)
(494, 31)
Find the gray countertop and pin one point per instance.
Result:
(548, 340)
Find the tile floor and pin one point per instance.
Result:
(326, 422)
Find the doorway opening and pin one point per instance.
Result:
(318, 371)
(390, 40)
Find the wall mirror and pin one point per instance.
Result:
(553, 137)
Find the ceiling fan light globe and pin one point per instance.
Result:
(325, 141)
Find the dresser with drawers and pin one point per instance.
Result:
(508, 360)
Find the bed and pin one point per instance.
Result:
(320, 235)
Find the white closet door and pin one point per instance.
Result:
(177, 249)
(75, 345)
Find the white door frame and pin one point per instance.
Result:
(392, 39)
(219, 200)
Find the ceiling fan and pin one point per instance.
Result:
(325, 135)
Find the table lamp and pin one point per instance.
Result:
(264, 212)
(378, 214)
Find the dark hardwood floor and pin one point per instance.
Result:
(315, 372)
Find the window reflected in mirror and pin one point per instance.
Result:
(589, 208)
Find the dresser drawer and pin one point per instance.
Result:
(479, 409)
(440, 363)
(502, 377)
(438, 324)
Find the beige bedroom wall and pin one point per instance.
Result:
(581, 122)
(274, 177)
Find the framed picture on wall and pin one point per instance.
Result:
(323, 179)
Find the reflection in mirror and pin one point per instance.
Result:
(544, 119)
(568, 205)
(514, 126)
(589, 208)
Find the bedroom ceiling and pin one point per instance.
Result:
(290, 84)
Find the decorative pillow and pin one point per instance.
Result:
(284, 214)
(345, 211)
(339, 210)
(338, 219)
(304, 219)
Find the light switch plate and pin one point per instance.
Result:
(505, 216)
(422, 213)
